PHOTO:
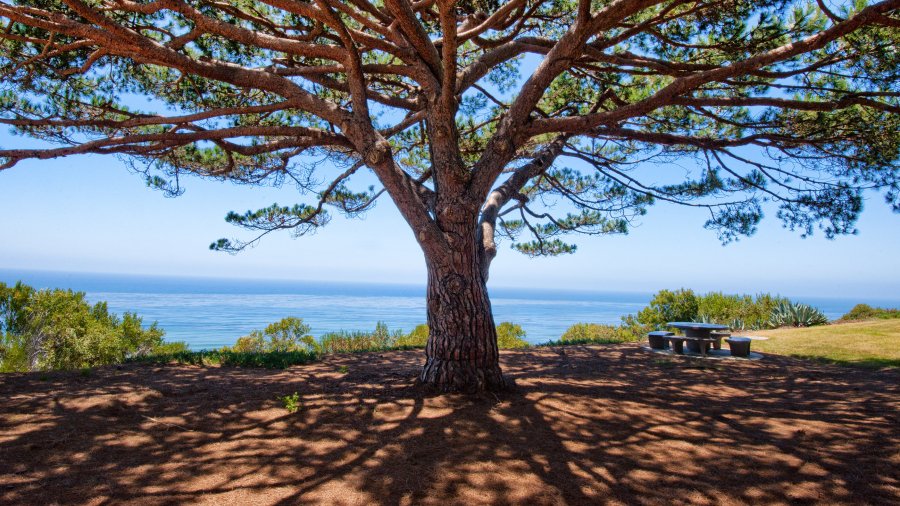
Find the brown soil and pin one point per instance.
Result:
(610, 424)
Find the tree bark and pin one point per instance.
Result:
(462, 354)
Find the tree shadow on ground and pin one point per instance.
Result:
(586, 424)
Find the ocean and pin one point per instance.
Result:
(209, 313)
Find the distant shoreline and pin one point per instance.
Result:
(208, 313)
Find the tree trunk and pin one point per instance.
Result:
(461, 353)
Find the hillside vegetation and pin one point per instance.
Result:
(42, 330)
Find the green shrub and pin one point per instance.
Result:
(287, 343)
(582, 332)
(287, 334)
(417, 338)
(171, 347)
(867, 312)
(58, 329)
(737, 311)
(669, 306)
(787, 314)
(595, 333)
(511, 336)
(352, 342)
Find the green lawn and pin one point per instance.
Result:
(874, 343)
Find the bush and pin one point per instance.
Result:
(867, 312)
(288, 334)
(511, 336)
(170, 347)
(287, 342)
(58, 329)
(582, 332)
(668, 306)
(351, 342)
(418, 338)
(737, 311)
(588, 333)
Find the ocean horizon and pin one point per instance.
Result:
(208, 313)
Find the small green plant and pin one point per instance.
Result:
(291, 402)
(343, 369)
(85, 372)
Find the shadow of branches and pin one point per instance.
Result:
(587, 424)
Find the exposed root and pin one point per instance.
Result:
(463, 376)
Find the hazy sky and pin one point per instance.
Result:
(89, 214)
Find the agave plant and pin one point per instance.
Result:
(760, 324)
(796, 315)
(703, 318)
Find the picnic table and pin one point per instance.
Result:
(697, 335)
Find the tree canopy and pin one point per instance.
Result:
(789, 101)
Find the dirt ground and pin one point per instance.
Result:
(586, 425)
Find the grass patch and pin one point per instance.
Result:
(267, 360)
(586, 340)
(665, 363)
(872, 344)
(702, 366)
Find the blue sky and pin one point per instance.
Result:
(89, 214)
